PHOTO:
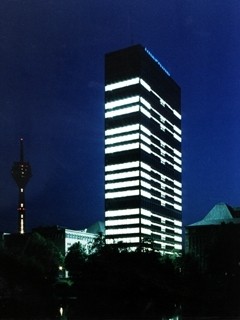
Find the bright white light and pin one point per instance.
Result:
(145, 112)
(178, 223)
(122, 84)
(146, 231)
(179, 231)
(145, 130)
(123, 240)
(125, 184)
(120, 130)
(124, 147)
(120, 222)
(177, 160)
(177, 153)
(122, 175)
(145, 85)
(177, 246)
(119, 194)
(177, 207)
(145, 185)
(179, 131)
(128, 137)
(177, 183)
(146, 222)
(145, 166)
(177, 114)
(145, 194)
(119, 213)
(120, 112)
(179, 192)
(145, 148)
(177, 168)
(146, 212)
(121, 102)
(122, 231)
(145, 103)
(177, 137)
(145, 139)
(121, 166)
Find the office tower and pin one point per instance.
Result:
(21, 172)
(143, 197)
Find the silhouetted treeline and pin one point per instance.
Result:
(28, 274)
(112, 282)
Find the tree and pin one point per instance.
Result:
(75, 260)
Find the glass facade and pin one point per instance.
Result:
(143, 163)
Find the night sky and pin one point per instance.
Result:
(52, 95)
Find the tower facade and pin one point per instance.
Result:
(21, 172)
(143, 160)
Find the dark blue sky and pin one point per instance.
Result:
(52, 95)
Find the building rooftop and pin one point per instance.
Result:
(220, 213)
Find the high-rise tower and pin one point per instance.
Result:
(143, 190)
(21, 172)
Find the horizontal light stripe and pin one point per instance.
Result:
(177, 207)
(178, 223)
(177, 168)
(177, 183)
(120, 112)
(119, 213)
(122, 166)
(122, 175)
(121, 231)
(119, 185)
(146, 231)
(121, 130)
(119, 194)
(121, 102)
(124, 147)
(120, 222)
(145, 103)
(145, 85)
(122, 84)
(123, 240)
(146, 222)
(176, 136)
(123, 138)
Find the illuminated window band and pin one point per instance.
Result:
(119, 185)
(125, 147)
(129, 137)
(122, 166)
(135, 127)
(121, 130)
(136, 164)
(136, 108)
(120, 112)
(131, 212)
(122, 175)
(136, 136)
(120, 194)
(121, 231)
(123, 240)
(119, 213)
(134, 81)
(119, 222)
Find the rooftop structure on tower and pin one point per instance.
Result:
(21, 172)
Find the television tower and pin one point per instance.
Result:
(21, 172)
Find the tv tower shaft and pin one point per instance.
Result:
(21, 172)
